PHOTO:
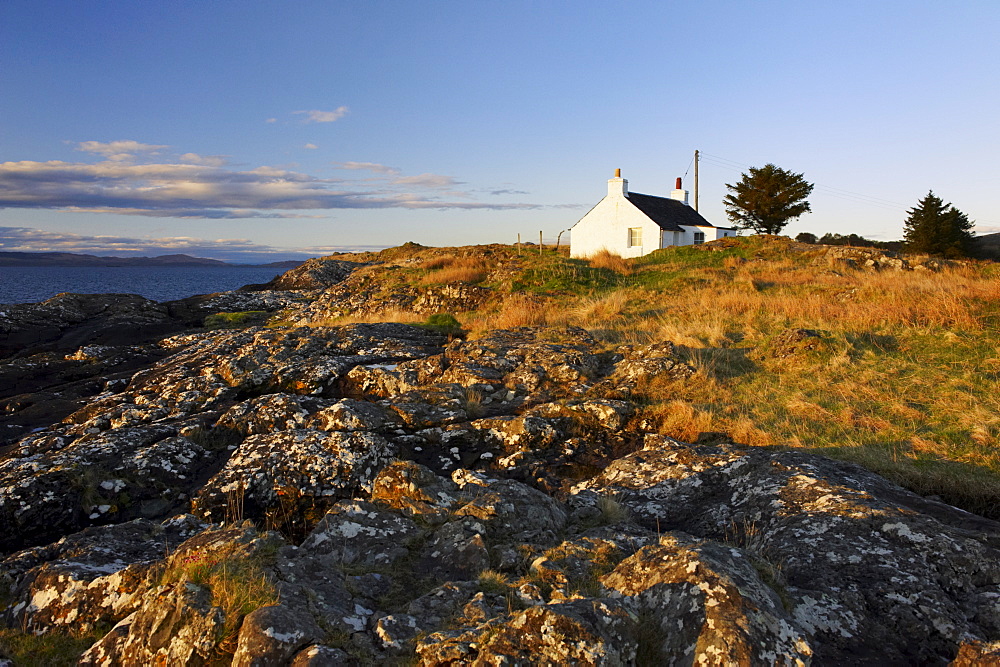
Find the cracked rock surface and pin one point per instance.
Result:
(372, 493)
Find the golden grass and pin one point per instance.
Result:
(906, 380)
(451, 269)
(392, 315)
(520, 310)
(605, 259)
(238, 584)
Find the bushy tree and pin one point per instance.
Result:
(767, 198)
(859, 241)
(936, 228)
(806, 237)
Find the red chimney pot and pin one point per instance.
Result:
(678, 183)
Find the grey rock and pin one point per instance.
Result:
(271, 636)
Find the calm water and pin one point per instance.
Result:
(28, 284)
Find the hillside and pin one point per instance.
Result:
(875, 357)
(745, 452)
(76, 259)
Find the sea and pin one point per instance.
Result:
(30, 284)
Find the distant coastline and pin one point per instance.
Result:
(73, 259)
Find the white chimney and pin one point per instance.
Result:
(618, 186)
(679, 193)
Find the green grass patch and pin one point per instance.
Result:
(49, 650)
(562, 274)
(443, 323)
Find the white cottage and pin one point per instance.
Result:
(631, 225)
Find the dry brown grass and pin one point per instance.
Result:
(605, 259)
(450, 269)
(520, 310)
(393, 315)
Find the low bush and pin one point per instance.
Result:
(240, 320)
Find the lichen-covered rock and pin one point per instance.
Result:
(869, 569)
(348, 414)
(456, 550)
(315, 273)
(92, 480)
(290, 466)
(647, 361)
(415, 490)
(175, 625)
(440, 605)
(89, 578)
(511, 511)
(273, 635)
(269, 413)
(709, 605)
(67, 321)
(579, 632)
(318, 655)
(396, 630)
(309, 361)
(355, 532)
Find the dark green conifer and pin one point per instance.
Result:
(936, 228)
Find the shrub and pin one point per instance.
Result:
(443, 323)
(246, 318)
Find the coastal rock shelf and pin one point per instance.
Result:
(371, 493)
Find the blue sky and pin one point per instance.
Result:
(251, 130)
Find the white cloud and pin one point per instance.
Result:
(271, 120)
(317, 116)
(427, 181)
(204, 160)
(311, 147)
(205, 191)
(118, 150)
(367, 166)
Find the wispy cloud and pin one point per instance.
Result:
(317, 116)
(427, 181)
(508, 192)
(199, 190)
(113, 147)
(204, 160)
(271, 120)
(311, 147)
(367, 166)
(119, 150)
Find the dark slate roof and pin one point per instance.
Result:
(668, 213)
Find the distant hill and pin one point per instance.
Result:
(986, 246)
(73, 259)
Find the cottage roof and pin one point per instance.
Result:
(669, 214)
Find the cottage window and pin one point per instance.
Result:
(634, 236)
(699, 238)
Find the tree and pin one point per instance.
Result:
(766, 198)
(936, 228)
(806, 237)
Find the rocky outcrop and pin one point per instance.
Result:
(313, 274)
(382, 494)
(366, 297)
(67, 321)
(875, 259)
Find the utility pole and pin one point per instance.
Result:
(696, 180)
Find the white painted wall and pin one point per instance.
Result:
(711, 234)
(606, 227)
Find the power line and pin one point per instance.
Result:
(829, 191)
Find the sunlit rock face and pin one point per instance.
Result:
(377, 492)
